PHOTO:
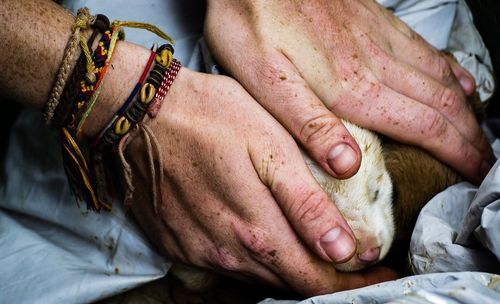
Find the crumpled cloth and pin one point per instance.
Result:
(465, 234)
(53, 252)
(436, 288)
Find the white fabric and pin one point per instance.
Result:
(466, 228)
(437, 288)
(52, 252)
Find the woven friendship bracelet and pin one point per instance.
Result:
(86, 87)
(169, 78)
(67, 102)
(75, 155)
(98, 85)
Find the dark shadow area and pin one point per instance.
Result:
(486, 15)
(8, 115)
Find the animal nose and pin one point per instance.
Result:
(369, 255)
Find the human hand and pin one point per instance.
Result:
(308, 62)
(238, 197)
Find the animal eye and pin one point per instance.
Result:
(375, 195)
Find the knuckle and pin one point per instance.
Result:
(310, 207)
(369, 89)
(468, 158)
(444, 71)
(433, 125)
(224, 259)
(271, 71)
(449, 101)
(468, 154)
(373, 47)
(318, 129)
(257, 241)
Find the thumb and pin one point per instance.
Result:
(308, 209)
(285, 94)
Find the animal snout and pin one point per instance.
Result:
(370, 255)
(369, 246)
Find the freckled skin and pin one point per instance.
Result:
(365, 200)
(31, 49)
(30, 58)
(353, 60)
(208, 117)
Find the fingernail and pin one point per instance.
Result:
(338, 244)
(466, 83)
(341, 158)
(484, 169)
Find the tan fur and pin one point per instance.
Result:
(419, 177)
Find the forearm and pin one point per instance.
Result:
(34, 34)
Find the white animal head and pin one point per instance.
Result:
(365, 200)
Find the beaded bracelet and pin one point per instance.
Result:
(128, 101)
(147, 92)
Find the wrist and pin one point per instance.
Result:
(126, 67)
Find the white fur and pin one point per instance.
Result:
(365, 199)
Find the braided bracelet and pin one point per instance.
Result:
(82, 21)
(74, 154)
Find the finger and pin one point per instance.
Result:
(465, 78)
(187, 234)
(285, 255)
(307, 207)
(424, 57)
(409, 121)
(405, 79)
(274, 244)
(284, 93)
